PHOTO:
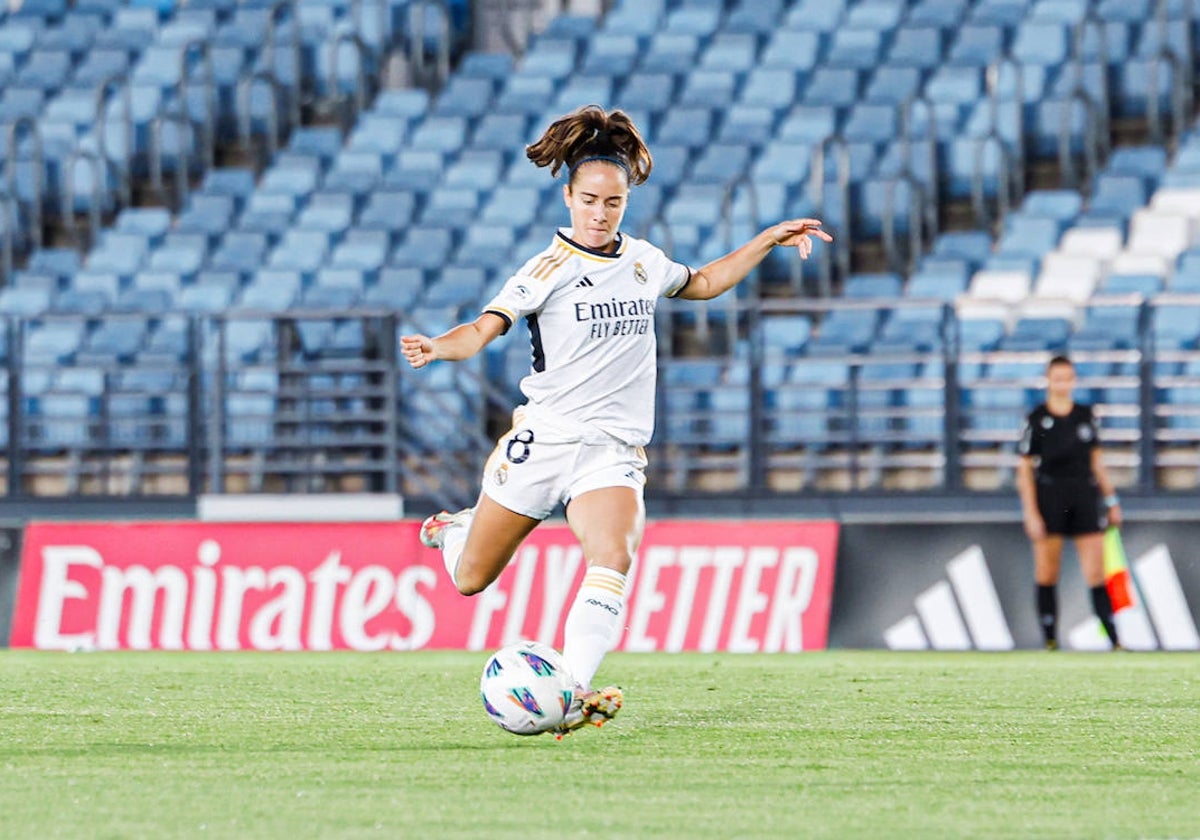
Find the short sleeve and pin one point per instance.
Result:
(519, 297)
(1027, 445)
(678, 277)
(1093, 428)
(671, 276)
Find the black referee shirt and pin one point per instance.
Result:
(1062, 445)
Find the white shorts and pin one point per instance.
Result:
(535, 465)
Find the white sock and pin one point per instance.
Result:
(594, 622)
(454, 539)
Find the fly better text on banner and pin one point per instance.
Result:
(735, 586)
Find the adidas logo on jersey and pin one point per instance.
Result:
(585, 283)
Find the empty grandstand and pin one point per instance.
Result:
(218, 216)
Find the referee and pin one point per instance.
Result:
(1065, 492)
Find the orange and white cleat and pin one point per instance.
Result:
(434, 526)
(594, 708)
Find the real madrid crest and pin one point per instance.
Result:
(501, 474)
(1085, 432)
(1047, 422)
(639, 273)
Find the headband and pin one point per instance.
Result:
(609, 158)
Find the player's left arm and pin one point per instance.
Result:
(1107, 491)
(722, 274)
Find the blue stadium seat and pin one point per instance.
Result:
(397, 289)
(721, 163)
(365, 250)
(750, 125)
(204, 299)
(690, 127)
(670, 52)
(450, 207)
(786, 332)
(867, 123)
(816, 15)
(872, 286)
(423, 247)
(701, 21)
(611, 52)
(496, 66)
(329, 212)
(773, 87)
(808, 124)
(792, 49)
(1061, 205)
(977, 45)
(1005, 13)
(499, 131)
(974, 247)
(732, 52)
(1030, 236)
(478, 169)
(894, 85)
(834, 86)
(857, 47)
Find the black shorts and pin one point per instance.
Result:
(1070, 507)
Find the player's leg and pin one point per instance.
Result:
(608, 523)
(1090, 548)
(1047, 563)
(478, 542)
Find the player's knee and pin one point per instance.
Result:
(468, 586)
(471, 578)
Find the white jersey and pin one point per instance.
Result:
(591, 319)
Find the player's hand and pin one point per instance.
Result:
(417, 349)
(1114, 516)
(1035, 527)
(799, 233)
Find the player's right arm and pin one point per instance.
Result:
(1027, 448)
(461, 342)
(1035, 527)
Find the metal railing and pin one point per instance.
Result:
(840, 253)
(252, 401)
(37, 166)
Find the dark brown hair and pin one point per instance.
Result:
(592, 132)
(1059, 360)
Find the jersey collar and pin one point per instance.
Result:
(590, 253)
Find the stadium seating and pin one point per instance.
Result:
(383, 215)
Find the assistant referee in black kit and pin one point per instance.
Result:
(1065, 492)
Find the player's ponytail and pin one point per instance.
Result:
(591, 133)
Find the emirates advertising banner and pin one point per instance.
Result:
(738, 586)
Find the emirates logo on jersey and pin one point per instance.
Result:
(639, 273)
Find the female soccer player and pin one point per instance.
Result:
(1061, 479)
(589, 300)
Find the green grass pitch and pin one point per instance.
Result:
(834, 744)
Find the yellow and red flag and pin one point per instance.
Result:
(1117, 577)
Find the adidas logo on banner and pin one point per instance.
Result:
(960, 615)
(965, 613)
(1159, 620)
(585, 283)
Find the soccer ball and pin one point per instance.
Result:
(526, 688)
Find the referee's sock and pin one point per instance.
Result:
(1104, 611)
(1047, 607)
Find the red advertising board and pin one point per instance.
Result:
(745, 586)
